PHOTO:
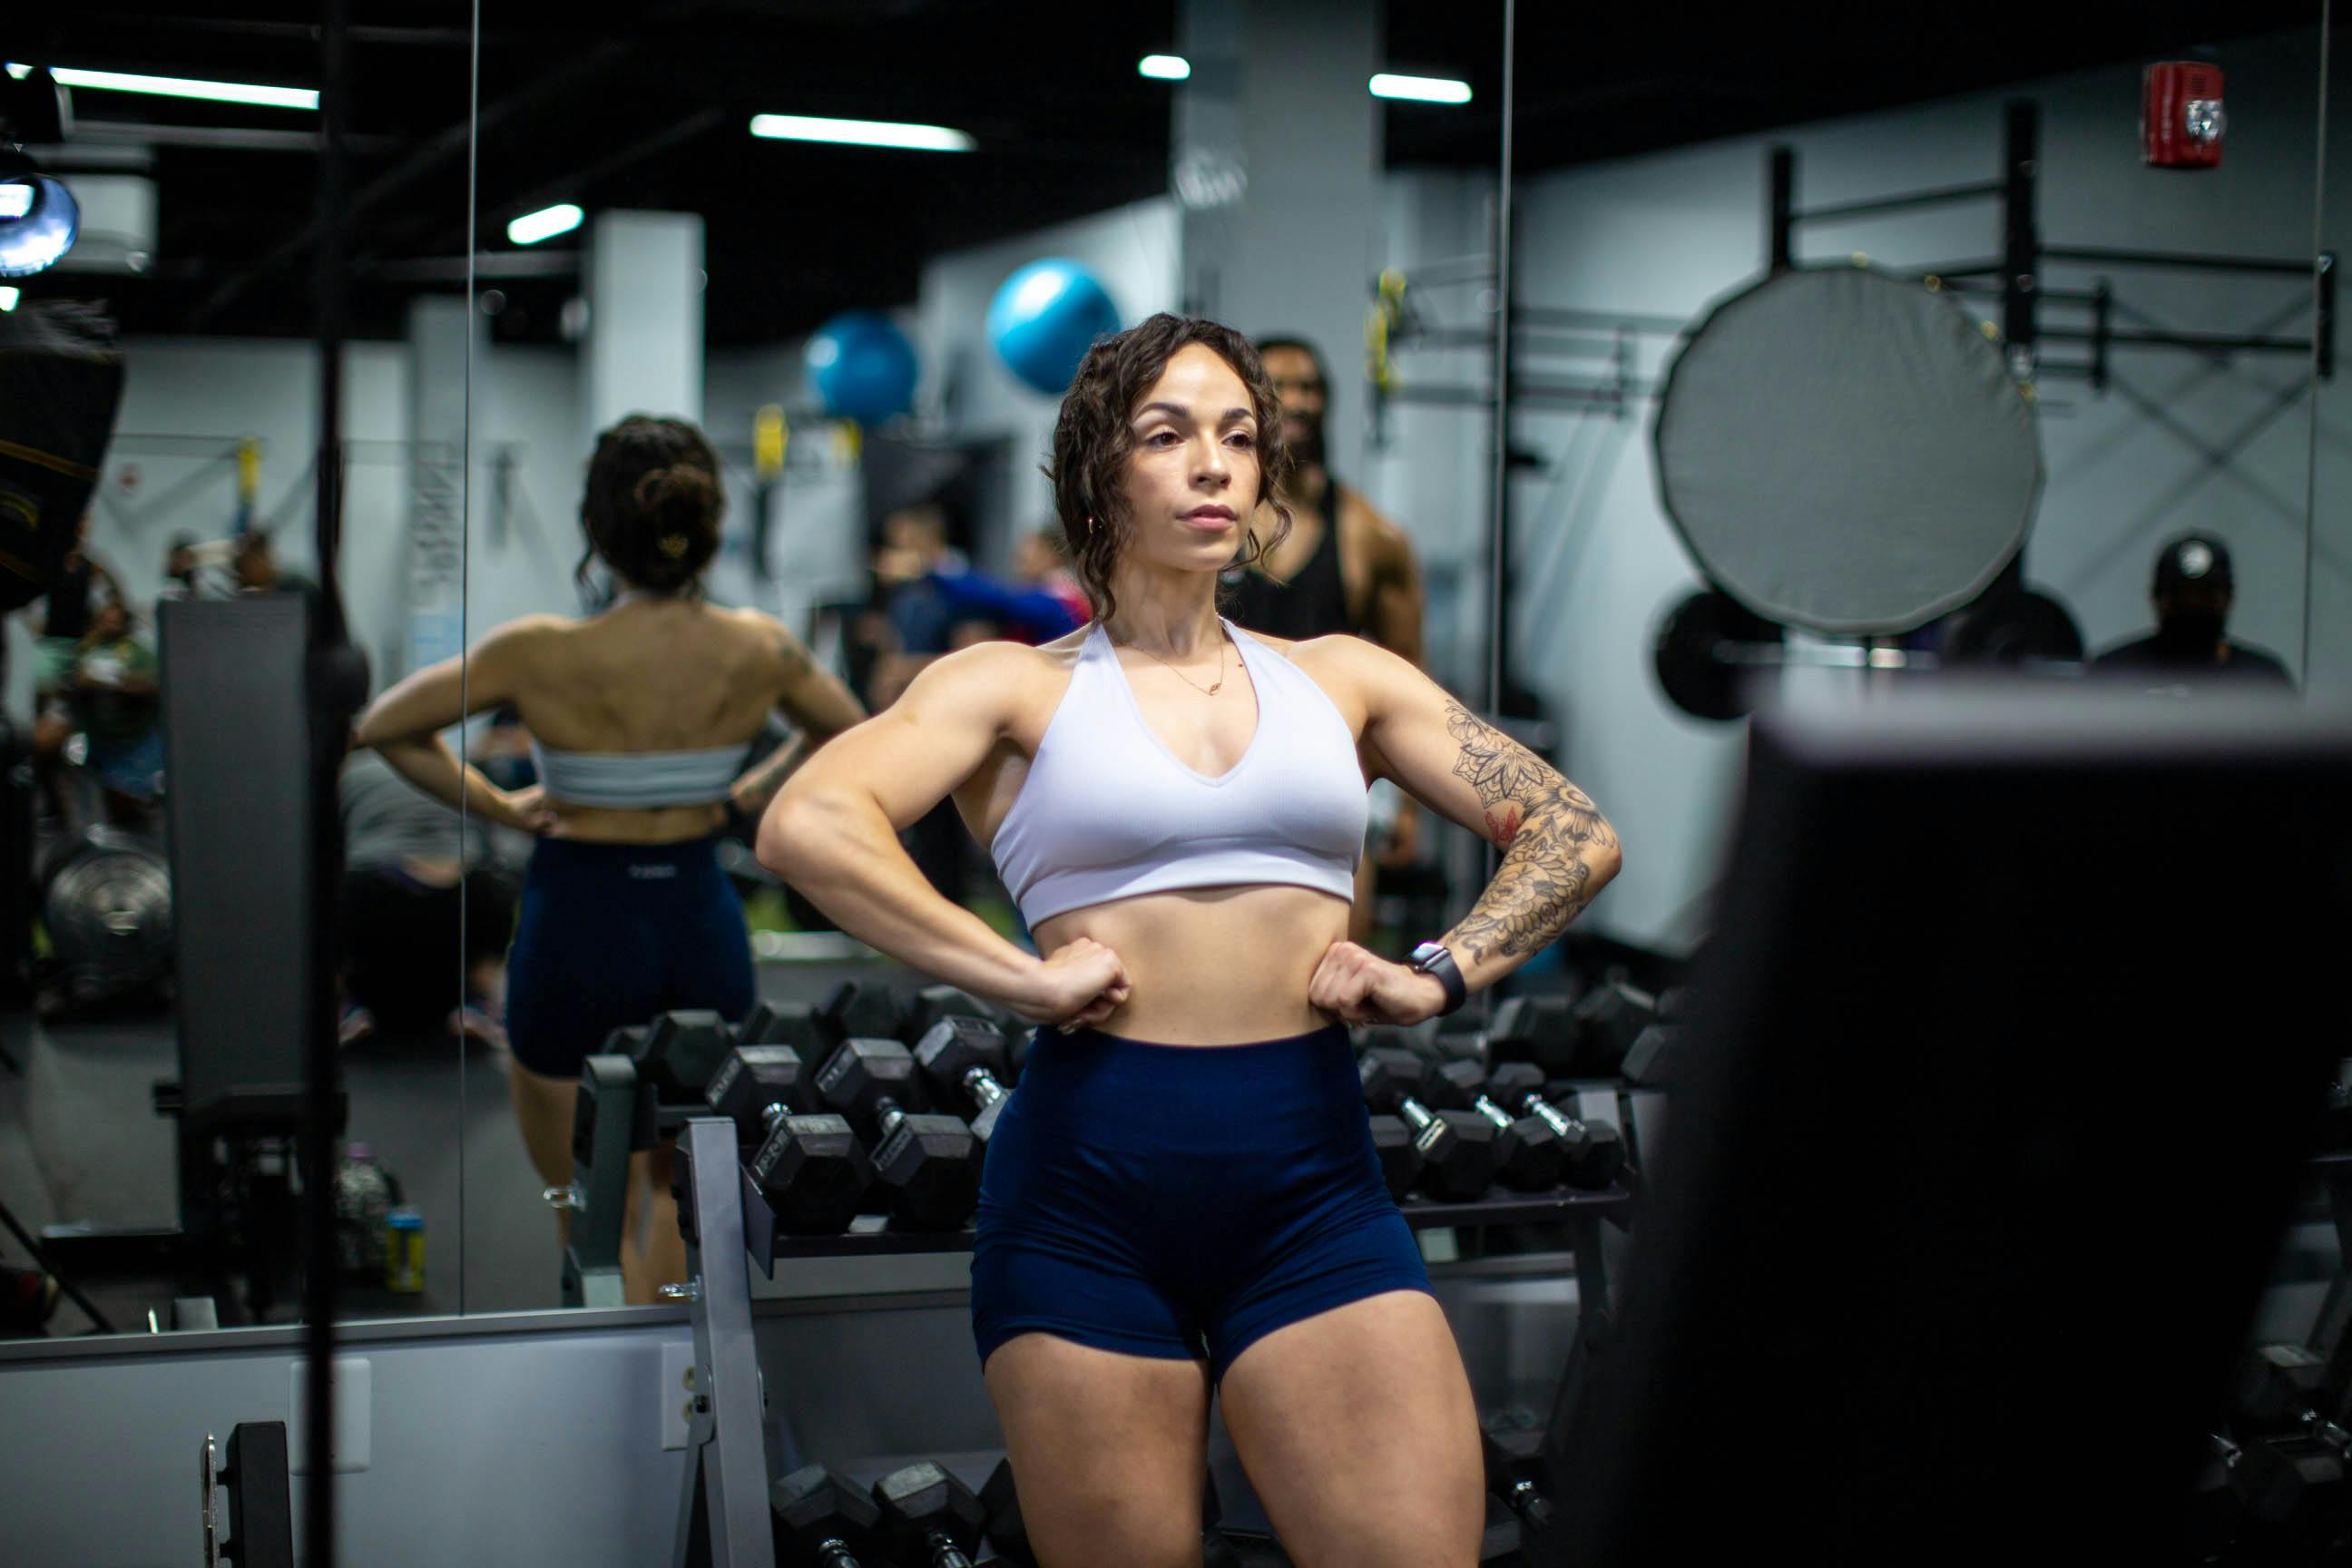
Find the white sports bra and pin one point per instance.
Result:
(1107, 811)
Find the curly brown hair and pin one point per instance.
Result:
(1094, 437)
(653, 503)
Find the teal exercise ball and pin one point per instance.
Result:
(863, 366)
(1044, 319)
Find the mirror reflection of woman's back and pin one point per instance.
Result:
(641, 718)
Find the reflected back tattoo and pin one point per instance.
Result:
(1550, 831)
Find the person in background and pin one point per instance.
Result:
(66, 613)
(255, 570)
(117, 697)
(1043, 601)
(184, 575)
(643, 716)
(1343, 567)
(2192, 595)
(414, 892)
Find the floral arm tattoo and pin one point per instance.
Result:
(1548, 830)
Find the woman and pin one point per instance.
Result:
(641, 716)
(1183, 1195)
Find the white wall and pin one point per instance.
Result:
(187, 403)
(1133, 250)
(1598, 564)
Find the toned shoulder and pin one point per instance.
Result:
(518, 636)
(1349, 670)
(997, 678)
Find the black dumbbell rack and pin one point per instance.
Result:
(723, 1507)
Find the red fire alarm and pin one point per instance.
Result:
(2180, 118)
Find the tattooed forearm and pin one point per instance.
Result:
(760, 782)
(1552, 835)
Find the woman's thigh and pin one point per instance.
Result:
(1361, 1438)
(1108, 1451)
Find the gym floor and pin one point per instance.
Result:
(80, 1141)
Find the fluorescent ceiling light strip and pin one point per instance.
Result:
(1420, 89)
(1164, 68)
(179, 87)
(861, 132)
(544, 224)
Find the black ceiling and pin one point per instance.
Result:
(647, 105)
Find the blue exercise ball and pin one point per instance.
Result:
(1044, 319)
(863, 367)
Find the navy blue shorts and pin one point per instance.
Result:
(1183, 1201)
(612, 934)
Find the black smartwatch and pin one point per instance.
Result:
(1432, 959)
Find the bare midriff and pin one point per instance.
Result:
(610, 825)
(1212, 966)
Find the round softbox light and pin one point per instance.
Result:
(1844, 450)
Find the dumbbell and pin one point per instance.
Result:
(1592, 1152)
(809, 1167)
(821, 1520)
(1527, 1151)
(929, 1519)
(2294, 1472)
(1457, 1147)
(1513, 1477)
(862, 1009)
(679, 1052)
(963, 1056)
(929, 1163)
(793, 1024)
(1000, 1501)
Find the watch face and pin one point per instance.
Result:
(1426, 952)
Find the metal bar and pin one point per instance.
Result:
(330, 283)
(727, 1475)
(1608, 320)
(1779, 213)
(1539, 342)
(2204, 342)
(2021, 240)
(2103, 307)
(2324, 323)
(1982, 189)
(1458, 397)
(222, 138)
(1498, 553)
(2185, 260)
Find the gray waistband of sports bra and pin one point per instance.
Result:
(637, 780)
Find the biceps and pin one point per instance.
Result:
(1465, 769)
(903, 763)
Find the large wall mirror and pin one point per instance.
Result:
(190, 146)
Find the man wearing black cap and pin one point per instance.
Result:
(2193, 597)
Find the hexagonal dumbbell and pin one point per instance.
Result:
(1592, 1152)
(863, 1009)
(1528, 1152)
(755, 1087)
(1001, 1503)
(680, 1051)
(793, 1024)
(821, 1520)
(1457, 1147)
(963, 1056)
(931, 1164)
(929, 1519)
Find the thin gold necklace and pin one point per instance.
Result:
(1205, 691)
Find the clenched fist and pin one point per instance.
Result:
(1356, 985)
(1078, 986)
